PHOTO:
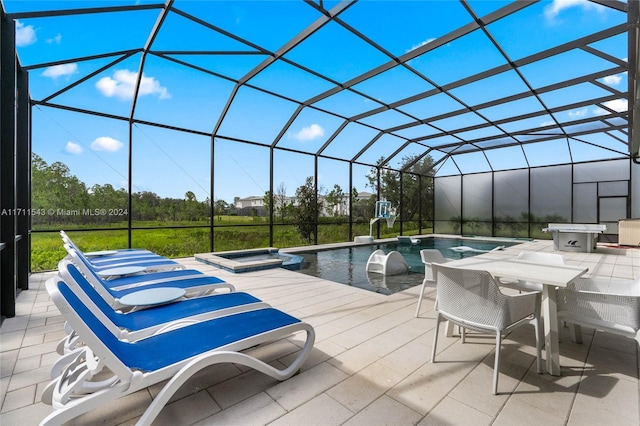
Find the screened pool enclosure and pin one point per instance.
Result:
(196, 126)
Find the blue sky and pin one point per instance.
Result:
(170, 162)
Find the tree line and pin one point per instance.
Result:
(59, 198)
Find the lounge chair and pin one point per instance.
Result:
(402, 239)
(134, 278)
(174, 355)
(112, 290)
(473, 300)
(107, 259)
(147, 263)
(142, 323)
(138, 324)
(133, 252)
(365, 239)
(103, 256)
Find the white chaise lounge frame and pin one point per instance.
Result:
(68, 392)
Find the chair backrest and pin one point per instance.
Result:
(70, 246)
(428, 257)
(472, 296)
(93, 332)
(541, 257)
(432, 256)
(609, 305)
(68, 243)
(88, 295)
(83, 266)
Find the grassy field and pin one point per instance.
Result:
(234, 233)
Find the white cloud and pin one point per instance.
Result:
(309, 133)
(73, 148)
(56, 71)
(105, 143)
(552, 10)
(25, 35)
(618, 105)
(547, 123)
(123, 84)
(422, 43)
(578, 113)
(55, 39)
(612, 80)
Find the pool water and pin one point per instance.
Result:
(348, 265)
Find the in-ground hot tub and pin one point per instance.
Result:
(239, 261)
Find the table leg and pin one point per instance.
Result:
(552, 345)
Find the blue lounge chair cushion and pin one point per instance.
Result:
(134, 279)
(104, 261)
(162, 350)
(185, 283)
(139, 320)
(145, 318)
(149, 263)
(127, 280)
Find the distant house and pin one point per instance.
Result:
(363, 195)
(251, 201)
(251, 206)
(342, 209)
(254, 205)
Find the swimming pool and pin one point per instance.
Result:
(348, 265)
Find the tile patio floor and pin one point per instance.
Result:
(370, 365)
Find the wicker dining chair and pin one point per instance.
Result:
(607, 305)
(429, 257)
(473, 300)
(533, 257)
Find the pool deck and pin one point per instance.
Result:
(370, 364)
